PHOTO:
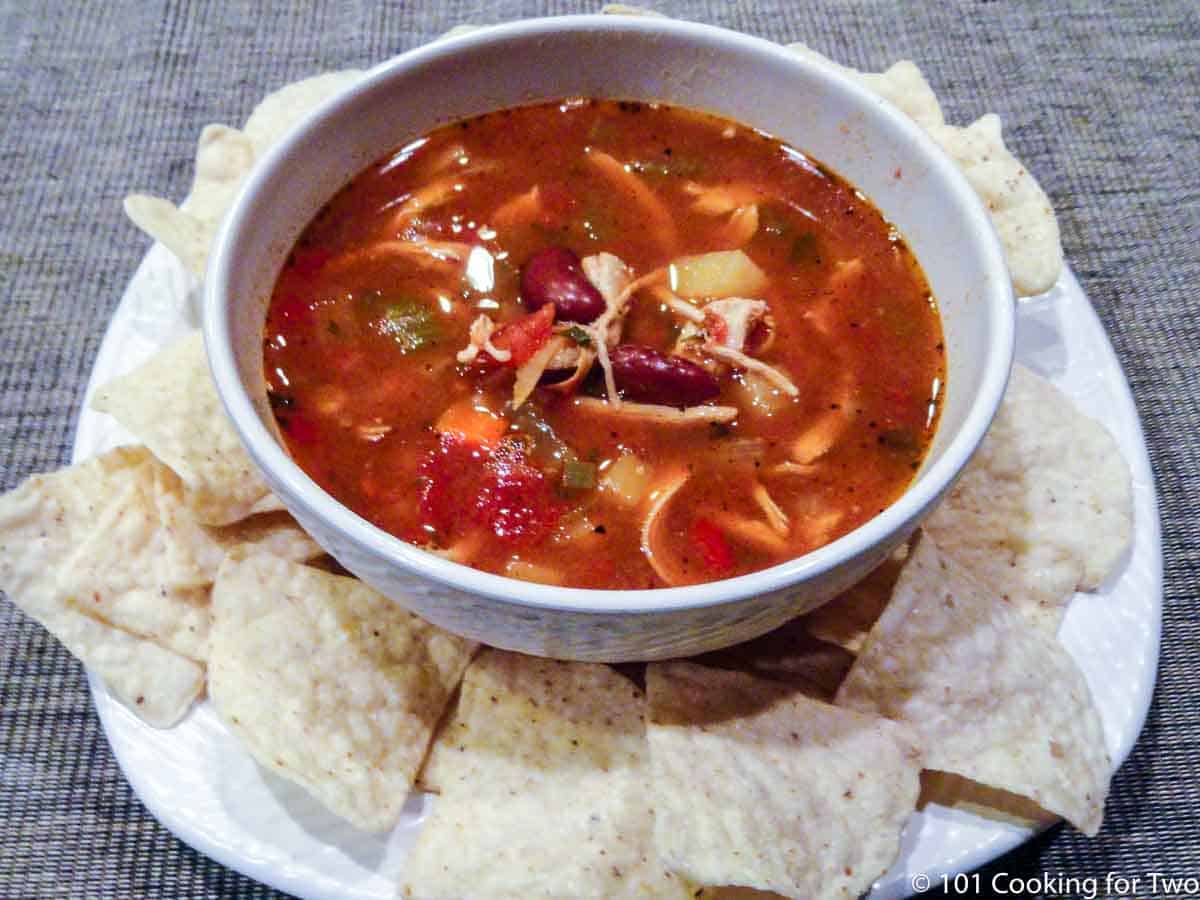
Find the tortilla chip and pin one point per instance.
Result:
(155, 684)
(281, 111)
(548, 796)
(989, 698)
(184, 235)
(902, 85)
(956, 792)
(328, 683)
(789, 653)
(448, 739)
(103, 549)
(757, 785)
(847, 619)
(1044, 508)
(82, 553)
(171, 403)
(626, 9)
(1020, 210)
(224, 158)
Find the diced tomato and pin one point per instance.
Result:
(465, 484)
(525, 336)
(710, 541)
(717, 328)
(516, 501)
(452, 474)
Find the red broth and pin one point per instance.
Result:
(772, 367)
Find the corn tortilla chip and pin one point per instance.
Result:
(789, 653)
(171, 404)
(106, 552)
(155, 684)
(184, 235)
(224, 157)
(990, 698)
(1044, 508)
(281, 111)
(626, 9)
(548, 796)
(328, 683)
(757, 785)
(847, 619)
(956, 792)
(448, 739)
(1020, 210)
(80, 552)
(902, 85)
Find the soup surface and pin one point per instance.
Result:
(605, 344)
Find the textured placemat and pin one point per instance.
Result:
(1099, 99)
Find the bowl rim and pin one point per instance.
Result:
(301, 491)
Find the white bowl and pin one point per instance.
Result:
(860, 136)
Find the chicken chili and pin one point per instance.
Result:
(605, 344)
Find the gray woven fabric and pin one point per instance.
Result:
(1099, 99)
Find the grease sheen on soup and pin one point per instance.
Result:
(605, 344)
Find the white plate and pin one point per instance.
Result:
(200, 783)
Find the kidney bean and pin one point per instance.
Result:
(554, 275)
(646, 375)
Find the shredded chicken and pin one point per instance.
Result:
(722, 333)
(750, 364)
(776, 517)
(728, 322)
(480, 337)
(610, 276)
(608, 273)
(420, 251)
(663, 415)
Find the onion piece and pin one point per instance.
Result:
(652, 547)
(626, 481)
(533, 368)
(752, 531)
(463, 550)
(584, 357)
(721, 198)
(528, 571)
(518, 210)
(662, 225)
(788, 467)
(741, 227)
(663, 415)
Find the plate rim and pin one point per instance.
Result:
(898, 882)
